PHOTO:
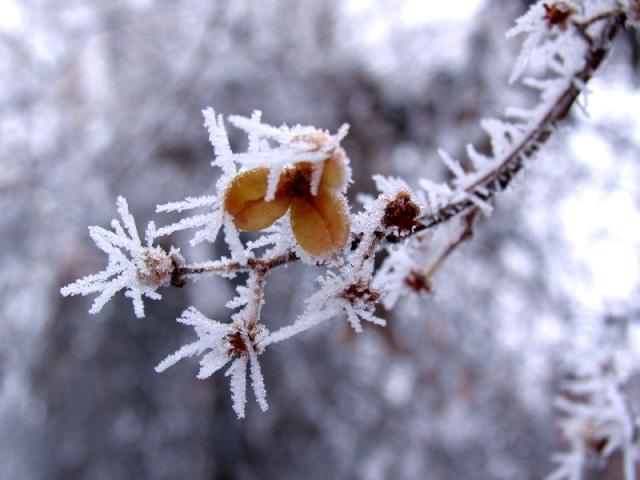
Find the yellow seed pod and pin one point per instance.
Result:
(245, 201)
(320, 223)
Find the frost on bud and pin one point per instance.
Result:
(245, 201)
(157, 267)
(401, 214)
(360, 292)
(138, 270)
(558, 14)
(238, 347)
(221, 344)
(360, 301)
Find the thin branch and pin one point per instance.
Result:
(258, 295)
(465, 234)
(421, 280)
(222, 267)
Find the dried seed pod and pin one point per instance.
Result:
(334, 171)
(320, 223)
(246, 204)
(402, 214)
(295, 181)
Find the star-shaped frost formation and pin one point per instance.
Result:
(137, 269)
(224, 343)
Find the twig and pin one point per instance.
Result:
(466, 233)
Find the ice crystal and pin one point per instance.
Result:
(219, 344)
(401, 269)
(137, 269)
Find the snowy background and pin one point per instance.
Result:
(100, 99)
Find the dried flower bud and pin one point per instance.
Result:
(402, 214)
(361, 292)
(320, 223)
(296, 181)
(246, 204)
(157, 267)
(558, 13)
(237, 344)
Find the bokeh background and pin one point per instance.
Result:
(99, 99)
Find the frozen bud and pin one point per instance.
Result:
(360, 292)
(320, 223)
(401, 214)
(245, 201)
(296, 181)
(558, 14)
(157, 267)
(238, 345)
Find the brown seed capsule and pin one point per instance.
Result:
(246, 204)
(320, 223)
(360, 291)
(334, 171)
(402, 213)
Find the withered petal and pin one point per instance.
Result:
(320, 223)
(245, 201)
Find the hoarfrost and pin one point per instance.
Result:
(137, 269)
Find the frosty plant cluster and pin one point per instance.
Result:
(291, 183)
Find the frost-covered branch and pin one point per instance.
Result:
(514, 143)
(290, 185)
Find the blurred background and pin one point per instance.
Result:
(99, 99)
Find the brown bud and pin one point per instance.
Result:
(558, 14)
(402, 213)
(158, 268)
(246, 204)
(237, 346)
(360, 290)
(296, 181)
(320, 223)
